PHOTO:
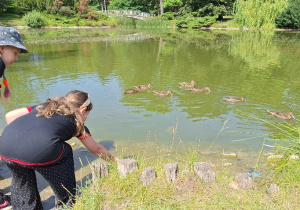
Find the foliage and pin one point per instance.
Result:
(102, 16)
(136, 5)
(84, 11)
(210, 8)
(6, 4)
(59, 8)
(34, 19)
(258, 13)
(290, 17)
(170, 15)
(39, 5)
(185, 9)
(188, 21)
(172, 5)
(156, 22)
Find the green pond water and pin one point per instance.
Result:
(261, 66)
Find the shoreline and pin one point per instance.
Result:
(168, 27)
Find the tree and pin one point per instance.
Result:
(136, 5)
(6, 4)
(172, 5)
(161, 7)
(258, 13)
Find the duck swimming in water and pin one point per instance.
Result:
(187, 84)
(197, 89)
(235, 99)
(282, 115)
(143, 87)
(130, 91)
(163, 93)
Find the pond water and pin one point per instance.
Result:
(261, 66)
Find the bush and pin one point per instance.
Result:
(169, 15)
(290, 17)
(34, 19)
(102, 16)
(192, 22)
(65, 11)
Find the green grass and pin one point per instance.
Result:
(226, 23)
(188, 191)
(11, 20)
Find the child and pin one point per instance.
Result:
(35, 140)
(10, 46)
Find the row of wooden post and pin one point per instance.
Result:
(202, 169)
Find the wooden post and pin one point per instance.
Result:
(171, 171)
(126, 166)
(99, 170)
(204, 171)
(148, 176)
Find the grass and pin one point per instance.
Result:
(188, 191)
(11, 20)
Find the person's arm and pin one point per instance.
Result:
(14, 114)
(97, 149)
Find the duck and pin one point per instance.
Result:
(129, 91)
(235, 99)
(187, 84)
(163, 93)
(143, 87)
(282, 115)
(197, 89)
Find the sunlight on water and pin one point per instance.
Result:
(230, 63)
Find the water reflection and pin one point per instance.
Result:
(260, 66)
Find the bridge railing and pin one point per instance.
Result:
(127, 13)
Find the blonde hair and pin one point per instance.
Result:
(67, 105)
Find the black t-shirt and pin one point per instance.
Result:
(2, 67)
(32, 140)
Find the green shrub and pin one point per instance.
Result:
(65, 11)
(195, 22)
(102, 16)
(169, 15)
(34, 19)
(290, 17)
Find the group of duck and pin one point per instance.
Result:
(191, 87)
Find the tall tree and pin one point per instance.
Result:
(161, 7)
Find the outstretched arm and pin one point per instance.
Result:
(14, 114)
(97, 149)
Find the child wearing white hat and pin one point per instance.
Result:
(11, 46)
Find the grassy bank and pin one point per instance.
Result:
(188, 191)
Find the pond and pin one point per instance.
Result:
(261, 66)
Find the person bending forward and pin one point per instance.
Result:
(35, 140)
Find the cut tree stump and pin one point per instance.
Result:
(204, 171)
(99, 170)
(171, 171)
(126, 166)
(148, 176)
